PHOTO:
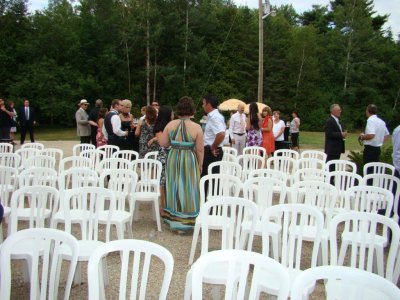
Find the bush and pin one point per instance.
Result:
(357, 158)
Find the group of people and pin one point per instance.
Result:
(10, 117)
(265, 130)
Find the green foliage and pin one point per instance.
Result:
(357, 158)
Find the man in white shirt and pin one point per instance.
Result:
(214, 133)
(237, 129)
(112, 124)
(374, 136)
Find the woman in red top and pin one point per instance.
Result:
(266, 128)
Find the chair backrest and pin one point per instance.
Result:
(38, 146)
(44, 248)
(108, 150)
(269, 173)
(284, 164)
(342, 181)
(26, 153)
(239, 263)
(38, 176)
(229, 157)
(313, 154)
(126, 154)
(149, 172)
(292, 218)
(113, 163)
(79, 148)
(95, 156)
(313, 163)
(310, 174)
(250, 162)
(10, 160)
(354, 284)
(141, 251)
(8, 183)
(232, 212)
(261, 190)
(230, 150)
(341, 165)
(6, 148)
(287, 153)
(43, 200)
(378, 168)
(90, 201)
(74, 162)
(255, 150)
(362, 231)
(219, 185)
(40, 161)
(121, 182)
(151, 154)
(56, 153)
(225, 167)
(77, 177)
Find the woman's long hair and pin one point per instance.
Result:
(253, 114)
(163, 118)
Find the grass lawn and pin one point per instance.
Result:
(48, 133)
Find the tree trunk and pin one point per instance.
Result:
(299, 77)
(260, 52)
(397, 99)
(155, 75)
(186, 46)
(349, 45)
(148, 57)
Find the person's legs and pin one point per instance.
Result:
(31, 133)
(371, 154)
(23, 133)
(85, 139)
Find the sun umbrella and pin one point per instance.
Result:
(231, 104)
(260, 107)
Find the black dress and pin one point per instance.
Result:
(126, 143)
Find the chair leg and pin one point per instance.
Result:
(188, 286)
(156, 207)
(129, 229)
(77, 276)
(196, 233)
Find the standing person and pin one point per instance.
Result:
(237, 129)
(165, 115)
(374, 136)
(214, 133)
(112, 124)
(334, 135)
(294, 130)
(156, 105)
(126, 125)
(396, 161)
(27, 119)
(253, 126)
(183, 167)
(100, 138)
(94, 117)
(13, 128)
(267, 133)
(144, 131)
(5, 121)
(278, 130)
(82, 123)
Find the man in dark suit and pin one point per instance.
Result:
(27, 119)
(334, 134)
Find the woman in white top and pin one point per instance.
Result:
(278, 130)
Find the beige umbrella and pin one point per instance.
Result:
(260, 107)
(231, 104)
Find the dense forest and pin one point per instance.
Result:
(164, 49)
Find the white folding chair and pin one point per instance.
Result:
(10, 160)
(341, 165)
(38, 146)
(108, 150)
(213, 185)
(44, 244)
(139, 276)
(6, 148)
(378, 168)
(79, 148)
(229, 150)
(126, 154)
(351, 284)
(250, 162)
(313, 154)
(255, 150)
(287, 153)
(151, 155)
(239, 264)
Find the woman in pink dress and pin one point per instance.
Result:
(100, 139)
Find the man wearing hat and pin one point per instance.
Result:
(82, 122)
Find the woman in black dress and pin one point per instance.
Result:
(126, 125)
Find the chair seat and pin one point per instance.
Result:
(309, 233)
(86, 248)
(75, 215)
(273, 227)
(24, 213)
(271, 285)
(214, 222)
(118, 216)
(145, 196)
(336, 288)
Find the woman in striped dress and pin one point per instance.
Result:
(183, 171)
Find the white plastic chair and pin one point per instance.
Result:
(341, 165)
(313, 154)
(126, 154)
(79, 148)
(284, 164)
(10, 160)
(56, 153)
(225, 167)
(74, 162)
(151, 155)
(239, 264)
(214, 185)
(229, 150)
(6, 148)
(287, 153)
(127, 249)
(148, 186)
(313, 163)
(229, 157)
(362, 233)
(95, 156)
(351, 284)
(38, 146)
(39, 161)
(112, 164)
(26, 153)
(232, 211)
(44, 244)
(250, 162)
(293, 218)
(309, 174)
(255, 150)
(38, 176)
(108, 150)
(83, 206)
(8, 184)
(378, 168)
(123, 184)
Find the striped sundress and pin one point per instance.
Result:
(182, 181)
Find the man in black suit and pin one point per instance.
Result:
(27, 119)
(334, 134)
